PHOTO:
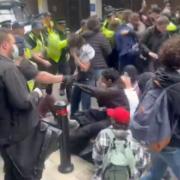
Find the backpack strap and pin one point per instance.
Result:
(112, 137)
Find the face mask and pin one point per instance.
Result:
(15, 53)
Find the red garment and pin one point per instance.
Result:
(119, 114)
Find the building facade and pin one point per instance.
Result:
(73, 11)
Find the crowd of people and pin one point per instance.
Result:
(116, 61)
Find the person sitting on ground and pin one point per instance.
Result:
(110, 95)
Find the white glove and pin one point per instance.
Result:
(39, 92)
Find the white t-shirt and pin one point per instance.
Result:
(87, 53)
(133, 99)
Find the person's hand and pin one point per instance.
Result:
(127, 81)
(47, 64)
(153, 55)
(69, 79)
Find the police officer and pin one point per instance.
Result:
(36, 48)
(63, 64)
(56, 45)
(27, 67)
(107, 29)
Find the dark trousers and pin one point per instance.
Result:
(79, 96)
(11, 172)
(80, 138)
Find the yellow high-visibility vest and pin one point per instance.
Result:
(31, 85)
(109, 34)
(40, 46)
(55, 46)
(171, 27)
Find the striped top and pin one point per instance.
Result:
(101, 46)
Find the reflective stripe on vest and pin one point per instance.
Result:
(40, 44)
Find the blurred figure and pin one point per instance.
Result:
(83, 27)
(36, 46)
(102, 47)
(153, 39)
(82, 54)
(129, 78)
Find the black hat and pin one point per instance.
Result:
(37, 25)
(61, 21)
(17, 25)
(47, 14)
(110, 14)
(42, 15)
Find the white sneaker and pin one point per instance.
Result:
(73, 124)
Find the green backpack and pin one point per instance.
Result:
(119, 161)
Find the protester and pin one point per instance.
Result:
(153, 39)
(116, 155)
(165, 77)
(142, 48)
(100, 44)
(110, 95)
(129, 78)
(82, 54)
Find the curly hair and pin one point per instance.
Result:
(75, 40)
(111, 74)
(169, 53)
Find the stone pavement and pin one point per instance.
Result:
(82, 169)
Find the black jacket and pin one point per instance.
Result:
(165, 78)
(18, 115)
(101, 46)
(152, 40)
(110, 97)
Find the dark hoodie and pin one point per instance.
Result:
(165, 78)
(101, 46)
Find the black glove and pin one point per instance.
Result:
(69, 79)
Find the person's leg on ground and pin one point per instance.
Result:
(80, 138)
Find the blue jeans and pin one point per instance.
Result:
(97, 74)
(79, 96)
(170, 157)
